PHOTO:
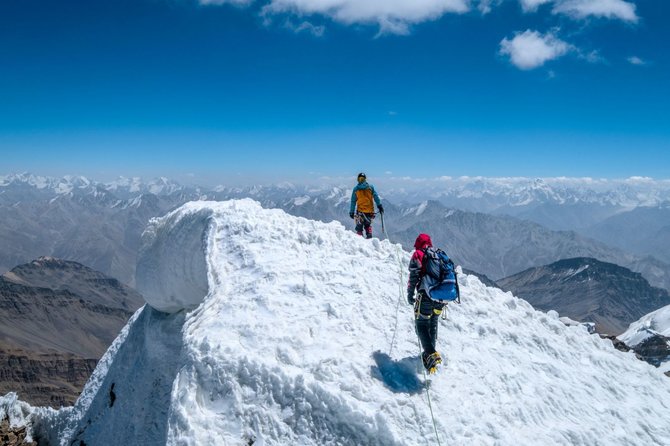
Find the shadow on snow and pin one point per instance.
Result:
(400, 376)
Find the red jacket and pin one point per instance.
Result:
(416, 269)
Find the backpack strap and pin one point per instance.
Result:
(458, 289)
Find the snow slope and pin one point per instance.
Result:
(293, 332)
(655, 323)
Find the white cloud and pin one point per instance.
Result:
(485, 6)
(390, 26)
(223, 2)
(580, 9)
(315, 30)
(636, 61)
(397, 16)
(532, 5)
(531, 49)
(610, 9)
(392, 16)
(593, 57)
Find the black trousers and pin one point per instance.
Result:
(364, 220)
(426, 317)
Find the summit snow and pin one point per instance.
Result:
(283, 330)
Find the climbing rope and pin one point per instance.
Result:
(430, 405)
(401, 292)
(401, 296)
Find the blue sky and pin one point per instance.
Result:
(284, 89)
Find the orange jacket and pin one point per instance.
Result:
(365, 197)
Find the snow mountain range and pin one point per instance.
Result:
(280, 330)
(488, 194)
(100, 224)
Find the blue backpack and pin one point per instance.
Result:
(440, 281)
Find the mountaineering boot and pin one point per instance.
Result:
(431, 362)
(424, 359)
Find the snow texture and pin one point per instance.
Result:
(300, 335)
(171, 267)
(656, 322)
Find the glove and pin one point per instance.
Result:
(410, 298)
(381, 209)
(351, 214)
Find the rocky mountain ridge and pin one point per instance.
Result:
(588, 290)
(57, 318)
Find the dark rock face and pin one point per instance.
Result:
(655, 350)
(13, 436)
(57, 318)
(44, 379)
(619, 345)
(588, 290)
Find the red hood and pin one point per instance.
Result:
(423, 241)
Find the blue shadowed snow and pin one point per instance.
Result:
(150, 359)
(399, 376)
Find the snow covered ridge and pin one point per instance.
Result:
(655, 328)
(288, 336)
(656, 322)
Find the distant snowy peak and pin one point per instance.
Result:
(136, 202)
(163, 186)
(421, 208)
(136, 185)
(79, 185)
(299, 201)
(518, 192)
(24, 178)
(128, 184)
(64, 185)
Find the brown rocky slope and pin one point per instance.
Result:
(57, 318)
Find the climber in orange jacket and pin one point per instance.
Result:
(362, 210)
